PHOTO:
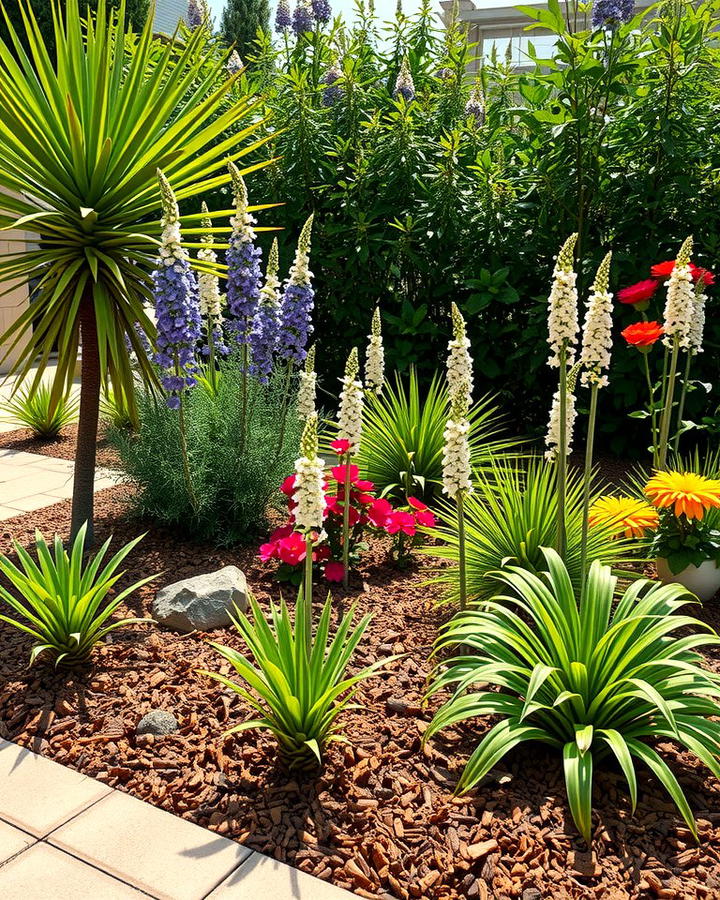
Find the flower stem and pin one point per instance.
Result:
(667, 411)
(586, 487)
(285, 404)
(681, 405)
(184, 451)
(346, 524)
(243, 414)
(562, 456)
(211, 357)
(653, 411)
(461, 550)
(307, 591)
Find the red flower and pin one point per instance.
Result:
(291, 549)
(638, 293)
(362, 485)
(708, 277)
(339, 473)
(321, 553)
(378, 512)
(362, 498)
(643, 334)
(425, 518)
(268, 551)
(288, 486)
(334, 571)
(416, 504)
(340, 446)
(398, 521)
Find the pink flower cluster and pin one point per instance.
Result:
(367, 512)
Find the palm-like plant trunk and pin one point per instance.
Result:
(84, 483)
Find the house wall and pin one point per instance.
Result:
(168, 13)
(13, 303)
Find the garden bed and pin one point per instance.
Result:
(381, 820)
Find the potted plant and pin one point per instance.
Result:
(687, 538)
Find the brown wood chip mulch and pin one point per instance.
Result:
(381, 820)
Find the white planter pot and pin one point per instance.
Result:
(702, 580)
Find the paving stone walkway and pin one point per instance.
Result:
(30, 481)
(68, 837)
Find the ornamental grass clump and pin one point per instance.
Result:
(403, 436)
(33, 408)
(62, 599)
(512, 515)
(594, 679)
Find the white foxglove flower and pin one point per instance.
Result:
(211, 299)
(351, 404)
(552, 440)
(459, 362)
(242, 222)
(563, 324)
(171, 250)
(309, 495)
(597, 331)
(375, 357)
(680, 303)
(697, 326)
(300, 273)
(307, 387)
(457, 470)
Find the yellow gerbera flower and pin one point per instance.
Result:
(632, 517)
(690, 494)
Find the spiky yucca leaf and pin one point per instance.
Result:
(589, 678)
(61, 598)
(299, 694)
(33, 408)
(512, 515)
(403, 436)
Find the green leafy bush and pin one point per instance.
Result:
(512, 515)
(33, 408)
(300, 681)
(115, 410)
(403, 436)
(591, 680)
(62, 599)
(420, 203)
(232, 483)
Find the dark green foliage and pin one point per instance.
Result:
(417, 204)
(233, 485)
(136, 12)
(240, 22)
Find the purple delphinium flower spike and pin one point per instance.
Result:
(475, 106)
(404, 84)
(297, 302)
(302, 19)
(333, 92)
(321, 11)
(283, 19)
(243, 265)
(266, 324)
(197, 13)
(177, 304)
(611, 13)
(234, 63)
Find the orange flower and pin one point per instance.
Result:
(643, 334)
(632, 517)
(690, 494)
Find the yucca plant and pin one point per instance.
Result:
(593, 679)
(512, 515)
(300, 693)
(402, 443)
(62, 599)
(82, 136)
(34, 408)
(115, 410)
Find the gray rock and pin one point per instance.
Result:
(158, 722)
(201, 603)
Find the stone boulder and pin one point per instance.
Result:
(158, 722)
(201, 603)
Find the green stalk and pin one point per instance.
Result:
(285, 404)
(653, 411)
(667, 411)
(307, 590)
(184, 451)
(211, 357)
(346, 524)
(681, 406)
(461, 550)
(586, 487)
(562, 457)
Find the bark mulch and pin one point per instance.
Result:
(381, 819)
(62, 447)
